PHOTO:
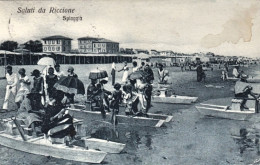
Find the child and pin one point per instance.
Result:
(116, 98)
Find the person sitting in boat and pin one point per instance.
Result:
(115, 98)
(242, 90)
(58, 123)
(31, 112)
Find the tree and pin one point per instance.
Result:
(9, 45)
(33, 46)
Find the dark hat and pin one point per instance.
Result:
(35, 72)
(9, 67)
(21, 70)
(70, 68)
(117, 86)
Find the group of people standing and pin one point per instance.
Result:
(42, 85)
(41, 106)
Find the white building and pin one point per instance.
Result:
(56, 44)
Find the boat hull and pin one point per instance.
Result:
(154, 120)
(227, 114)
(175, 99)
(39, 146)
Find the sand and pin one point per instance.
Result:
(189, 139)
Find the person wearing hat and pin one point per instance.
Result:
(242, 90)
(70, 97)
(12, 80)
(38, 85)
(24, 87)
(71, 72)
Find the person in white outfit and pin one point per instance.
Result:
(125, 74)
(11, 85)
(58, 72)
(24, 87)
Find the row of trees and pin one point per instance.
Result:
(33, 46)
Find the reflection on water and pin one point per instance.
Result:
(133, 137)
(248, 141)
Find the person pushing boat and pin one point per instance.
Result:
(242, 90)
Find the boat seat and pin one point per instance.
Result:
(236, 104)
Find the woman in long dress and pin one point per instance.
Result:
(24, 87)
(125, 74)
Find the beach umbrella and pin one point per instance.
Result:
(98, 74)
(137, 75)
(71, 85)
(47, 61)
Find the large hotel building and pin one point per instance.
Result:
(56, 44)
(97, 45)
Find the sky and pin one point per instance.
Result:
(223, 27)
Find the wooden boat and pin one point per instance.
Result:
(103, 145)
(233, 78)
(40, 146)
(174, 99)
(223, 112)
(17, 137)
(154, 120)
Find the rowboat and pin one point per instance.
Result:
(41, 146)
(17, 137)
(174, 99)
(103, 145)
(224, 112)
(153, 120)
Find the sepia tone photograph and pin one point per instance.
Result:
(120, 82)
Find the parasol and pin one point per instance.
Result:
(137, 75)
(71, 85)
(98, 74)
(46, 61)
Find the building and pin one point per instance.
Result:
(56, 44)
(137, 51)
(166, 53)
(97, 45)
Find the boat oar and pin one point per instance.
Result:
(20, 129)
(114, 121)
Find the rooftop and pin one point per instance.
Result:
(96, 39)
(56, 37)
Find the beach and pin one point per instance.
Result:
(189, 138)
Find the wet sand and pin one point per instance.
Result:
(189, 139)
